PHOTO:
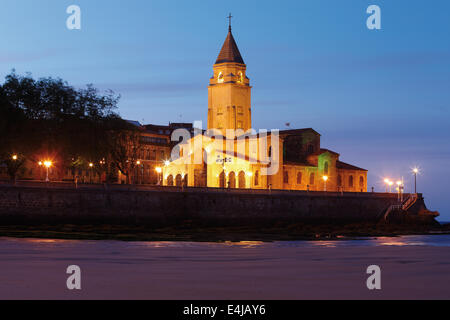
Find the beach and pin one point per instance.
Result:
(412, 267)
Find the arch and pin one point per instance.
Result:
(256, 178)
(312, 177)
(350, 181)
(220, 77)
(339, 180)
(240, 77)
(361, 181)
(222, 180)
(185, 180)
(241, 179)
(232, 180)
(178, 180)
(325, 168)
(299, 177)
(285, 176)
(170, 180)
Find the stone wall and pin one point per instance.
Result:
(172, 205)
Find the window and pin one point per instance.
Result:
(240, 125)
(299, 178)
(257, 178)
(219, 110)
(339, 181)
(240, 77)
(325, 168)
(311, 179)
(286, 177)
(220, 78)
(310, 148)
(361, 182)
(240, 110)
(350, 181)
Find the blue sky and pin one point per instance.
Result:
(380, 98)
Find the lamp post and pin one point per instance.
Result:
(390, 183)
(325, 179)
(415, 172)
(47, 165)
(91, 165)
(386, 182)
(159, 170)
(250, 175)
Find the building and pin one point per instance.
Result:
(229, 154)
(242, 160)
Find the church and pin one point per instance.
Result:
(230, 154)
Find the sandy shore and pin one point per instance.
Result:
(35, 269)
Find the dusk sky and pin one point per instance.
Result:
(381, 98)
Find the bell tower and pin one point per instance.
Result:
(229, 90)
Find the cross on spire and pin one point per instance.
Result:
(229, 21)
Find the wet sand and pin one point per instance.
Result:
(36, 269)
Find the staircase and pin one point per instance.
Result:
(404, 206)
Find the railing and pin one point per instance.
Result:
(409, 202)
(138, 187)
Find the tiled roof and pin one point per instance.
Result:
(346, 166)
(230, 51)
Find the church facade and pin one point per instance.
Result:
(230, 154)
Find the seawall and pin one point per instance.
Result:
(165, 206)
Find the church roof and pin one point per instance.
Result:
(346, 166)
(230, 51)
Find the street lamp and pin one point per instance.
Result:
(415, 172)
(159, 170)
(386, 182)
(14, 157)
(390, 183)
(400, 190)
(325, 179)
(47, 164)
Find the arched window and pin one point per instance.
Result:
(178, 180)
(241, 179)
(286, 177)
(220, 78)
(311, 179)
(325, 168)
(339, 180)
(232, 180)
(222, 180)
(257, 178)
(185, 180)
(240, 77)
(170, 180)
(299, 178)
(350, 181)
(361, 182)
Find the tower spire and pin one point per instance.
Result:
(229, 22)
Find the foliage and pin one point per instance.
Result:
(49, 119)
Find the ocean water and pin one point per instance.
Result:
(413, 267)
